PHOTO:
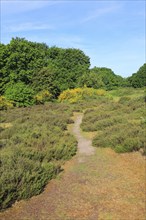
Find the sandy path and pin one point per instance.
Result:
(84, 144)
(97, 184)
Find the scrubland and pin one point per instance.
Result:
(35, 141)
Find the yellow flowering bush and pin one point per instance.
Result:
(4, 103)
(42, 97)
(100, 92)
(74, 95)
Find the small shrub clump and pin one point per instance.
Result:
(77, 94)
(20, 94)
(5, 104)
(42, 97)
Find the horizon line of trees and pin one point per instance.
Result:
(29, 69)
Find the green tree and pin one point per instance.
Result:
(22, 61)
(91, 80)
(71, 64)
(72, 59)
(4, 74)
(46, 79)
(19, 59)
(108, 77)
(138, 79)
(20, 94)
(63, 72)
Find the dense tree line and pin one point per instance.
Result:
(102, 78)
(138, 79)
(28, 68)
(34, 67)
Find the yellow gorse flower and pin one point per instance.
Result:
(4, 103)
(74, 95)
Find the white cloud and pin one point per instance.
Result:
(28, 26)
(15, 6)
(101, 11)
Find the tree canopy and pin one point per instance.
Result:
(101, 77)
(24, 61)
(138, 79)
(36, 67)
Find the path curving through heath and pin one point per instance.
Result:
(97, 184)
(84, 144)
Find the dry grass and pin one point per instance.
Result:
(6, 125)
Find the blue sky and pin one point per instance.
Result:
(111, 33)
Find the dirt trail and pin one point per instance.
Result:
(97, 184)
(84, 144)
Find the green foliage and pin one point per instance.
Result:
(70, 65)
(42, 68)
(19, 59)
(56, 69)
(121, 141)
(138, 80)
(91, 80)
(128, 93)
(20, 94)
(72, 60)
(145, 95)
(46, 79)
(108, 78)
(22, 177)
(33, 149)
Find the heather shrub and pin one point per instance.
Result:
(121, 138)
(119, 125)
(23, 177)
(124, 99)
(33, 149)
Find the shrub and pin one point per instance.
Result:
(74, 95)
(119, 125)
(124, 99)
(119, 140)
(5, 104)
(20, 94)
(22, 178)
(42, 97)
(33, 149)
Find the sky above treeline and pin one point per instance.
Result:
(111, 33)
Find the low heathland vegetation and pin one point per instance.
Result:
(35, 141)
(119, 124)
(34, 144)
